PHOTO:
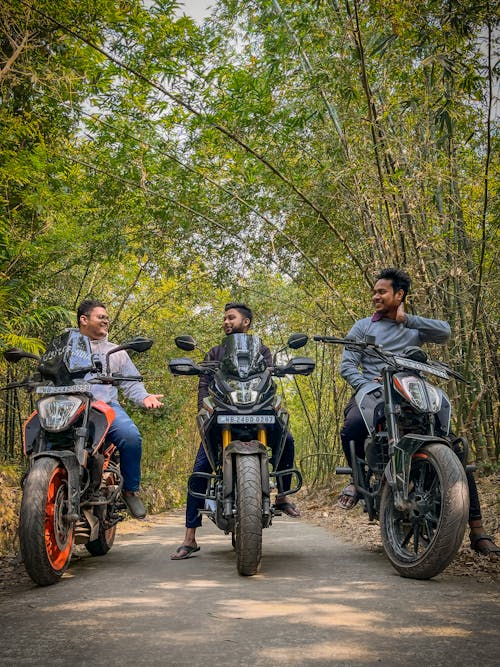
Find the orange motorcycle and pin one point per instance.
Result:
(72, 489)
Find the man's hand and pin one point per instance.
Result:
(400, 314)
(152, 401)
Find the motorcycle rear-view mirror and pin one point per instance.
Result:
(297, 340)
(15, 354)
(186, 343)
(298, 366)
(138, 344)
(183, 366)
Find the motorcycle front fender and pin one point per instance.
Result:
(251, 448)
(70, 462)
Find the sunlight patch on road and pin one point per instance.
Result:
(301, 611)
(192, 585)
(436, 631)
(333, 651)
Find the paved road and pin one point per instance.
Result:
(317, 601)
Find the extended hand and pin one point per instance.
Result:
(152, 401)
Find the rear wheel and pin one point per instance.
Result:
(106, 537)
(248, 523)
(45, 533)
(422, 540)
(104, 541)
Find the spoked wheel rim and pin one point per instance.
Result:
(413, 530)
(58, 530)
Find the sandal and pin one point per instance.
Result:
(183, 552)
(484, 550)
(288, 508)
(348, 497)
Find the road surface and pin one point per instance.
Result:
(317, 601)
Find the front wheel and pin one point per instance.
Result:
(45, 533)
(421, 541)
(248, 523)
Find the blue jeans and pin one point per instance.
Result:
(202, 464)
(125, 435)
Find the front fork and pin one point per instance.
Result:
(252, 448)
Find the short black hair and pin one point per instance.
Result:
(241, 308)
(400, 279)
(86, 307)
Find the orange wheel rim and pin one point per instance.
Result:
(58, 531)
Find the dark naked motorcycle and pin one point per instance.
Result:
(240, 419)
(410, 478)
(72, 489)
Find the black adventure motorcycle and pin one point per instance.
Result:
(72, 489)
(240, 419)
(410, 478)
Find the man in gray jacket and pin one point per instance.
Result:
(93, 321)
(395, 330)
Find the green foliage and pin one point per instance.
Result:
(280, 155)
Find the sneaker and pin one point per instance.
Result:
(134, 504)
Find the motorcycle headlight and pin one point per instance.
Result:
(56, 413)
(412, 388)
(419, 393)
(243, 393)
(435, 398)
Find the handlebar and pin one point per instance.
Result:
(372, 349)
(114, 378)
(328, 339)
(31, 384)
(362, 344)
(16, 385)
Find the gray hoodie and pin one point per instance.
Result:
(120, 363)
(358, 368)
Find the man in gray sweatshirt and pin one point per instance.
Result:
(395, 330)
(93, 321)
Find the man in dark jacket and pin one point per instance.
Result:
(237, 319)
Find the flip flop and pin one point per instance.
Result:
(348, 497)
(183, 552)
(484, 550)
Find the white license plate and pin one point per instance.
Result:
(246, 419)
(71, 389)
(419, 366)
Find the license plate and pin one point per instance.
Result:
(246, 419)
(419, 366)
(72, 389)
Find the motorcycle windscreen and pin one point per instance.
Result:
(242, 356)
(68, 356)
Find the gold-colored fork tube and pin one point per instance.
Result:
(226, 436)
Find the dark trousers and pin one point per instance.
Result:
(354, 428)
(202, 464)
